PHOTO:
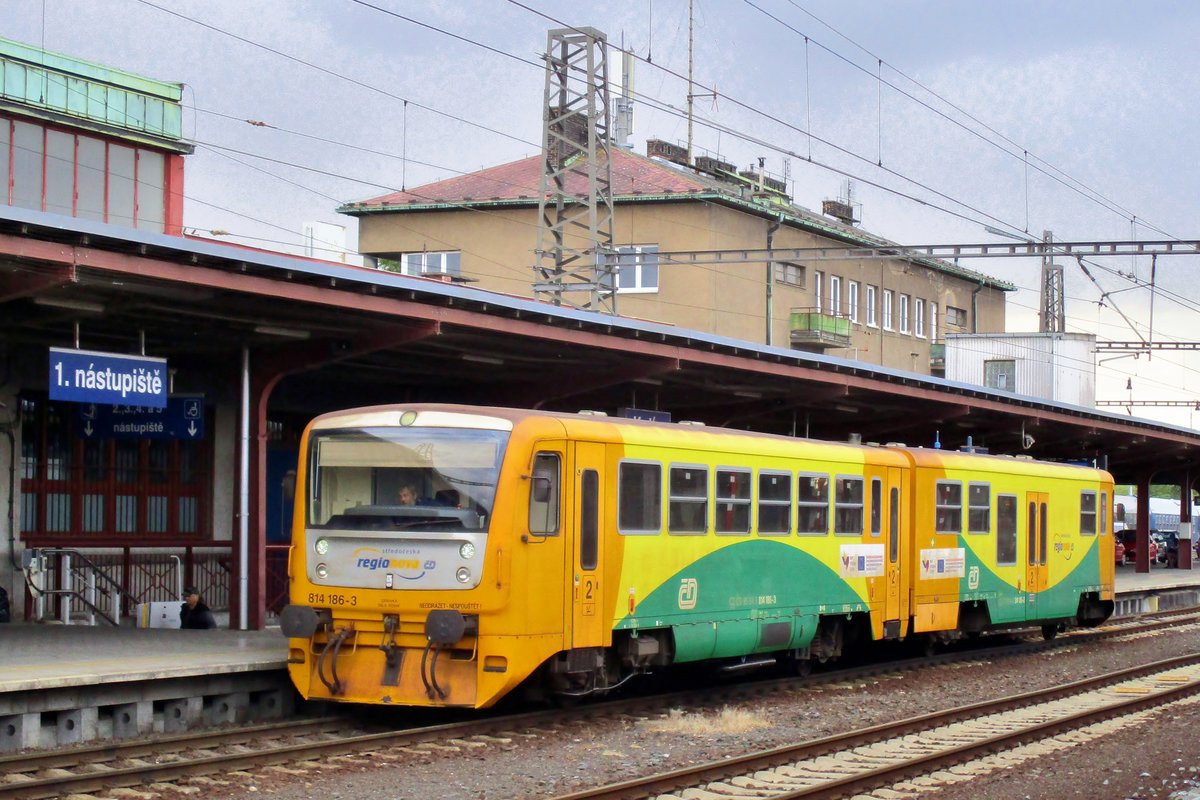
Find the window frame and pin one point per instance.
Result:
(903, 309)
(1003, 536)
(703, 499)
(933, 320)
(872, 309)
(746, 504)
(639, 253)
(802, 504)
(839, 506)
(785, 503)
(818, 285)
(938, 506)
(919, 317)
(886, 310)
(1084, 513)
(852, 301)
(835, 295)
(876, 523)
(621, 529)
(971, 529)
(557, 495)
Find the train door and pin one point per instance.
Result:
(587, 550)
(1036, 518)
(892, 556)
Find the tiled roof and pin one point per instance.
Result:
(522, 180)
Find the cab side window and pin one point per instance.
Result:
(544, 494)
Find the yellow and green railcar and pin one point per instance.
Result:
(567, 553)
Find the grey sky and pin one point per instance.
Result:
(1102, 91)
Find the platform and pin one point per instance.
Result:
(66, 684)
(62, 685)
(1160, 589)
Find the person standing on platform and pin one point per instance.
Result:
(193, 614)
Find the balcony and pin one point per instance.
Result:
(937, 359)
(816, 331)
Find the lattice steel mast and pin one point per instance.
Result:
(575, 253)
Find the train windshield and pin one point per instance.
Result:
(407, 478)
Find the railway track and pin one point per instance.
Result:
(171, 759)
(902, 755)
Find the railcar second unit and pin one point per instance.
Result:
(567, 553)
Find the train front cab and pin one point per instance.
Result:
(396, 626)
(1008, 542)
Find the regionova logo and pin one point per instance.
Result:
(371, 559)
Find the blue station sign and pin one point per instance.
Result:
(645, 413)
(183, 418)
(85, 376)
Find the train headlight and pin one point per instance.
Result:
(322, 546)
(463, 574)
(322, 571)
(467, 550)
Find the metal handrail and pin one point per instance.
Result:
(89, 573)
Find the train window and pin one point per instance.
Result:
(1087, 513)
(894, 526)
(876, 506)
(812, 504)
(1032, 534)
(688, 511)
(733, 501)
(979, 508)
(589, 520)
(543, 494)
(1042, 534)
(639, 498)
(848, 506)
(948, 508)
(1006, 529)
(774, 503)
(1103, 513)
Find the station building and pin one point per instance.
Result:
(482, 227)
(93, 266)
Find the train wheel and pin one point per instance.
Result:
(1049, 632)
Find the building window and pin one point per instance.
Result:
(872, 318)
(75, 485)
(887, 309)
(956, 317)
(835, 296)
(637, 269)
(817, 281)
(791, 274)
(933, 329)
(447, 263)
(919, 317)
(83, 176)
(852, 300)
(904, 313)
(1000, 375)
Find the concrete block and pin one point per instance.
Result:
(233, 707)
(132, 719)
(182, 714)
(20, 731)
(271, 704)
(77, 725)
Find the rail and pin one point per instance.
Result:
(76, 583)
